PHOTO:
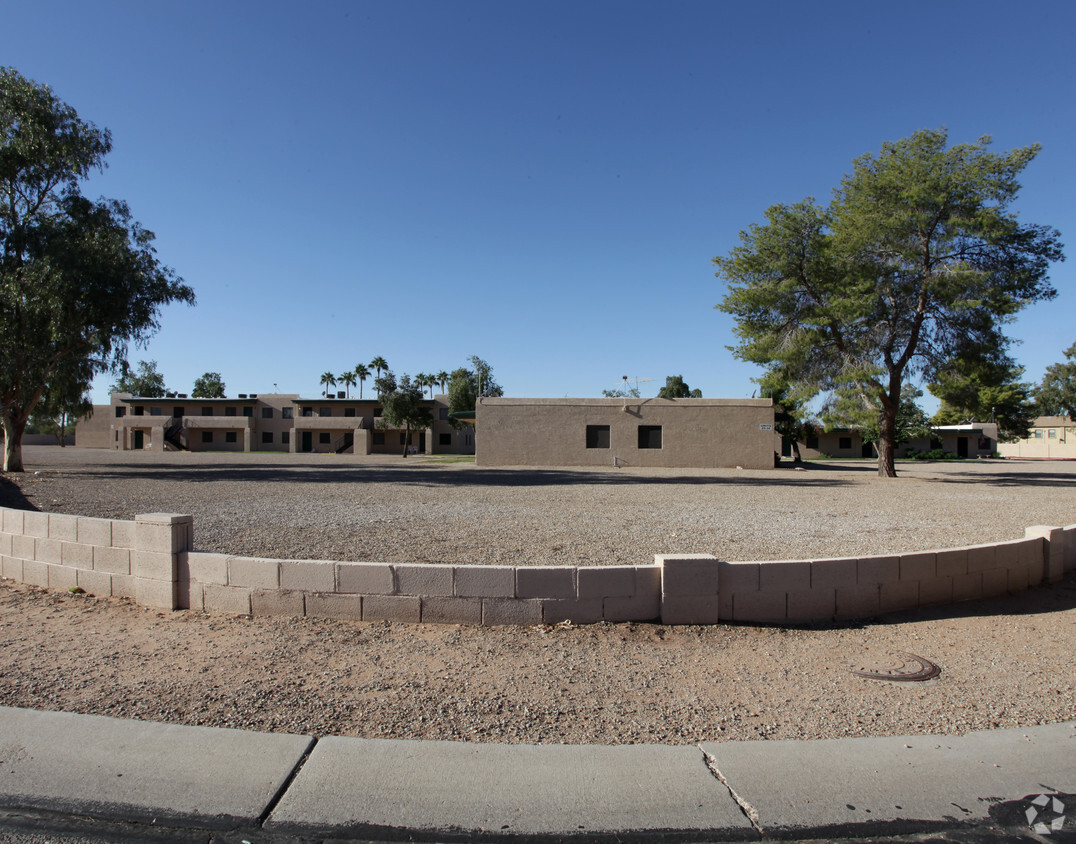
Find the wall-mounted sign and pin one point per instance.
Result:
(765, 427)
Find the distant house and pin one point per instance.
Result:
(977, 439)
(1051, 438)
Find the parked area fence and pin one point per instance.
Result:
(152, 561)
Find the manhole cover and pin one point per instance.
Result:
(899, 667)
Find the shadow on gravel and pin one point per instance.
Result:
(427, 475)
(11, 496)
(1043, 479)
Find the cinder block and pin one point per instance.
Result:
(1036, 571)
(544, 582)
(155, 593)
(860, 601)
(484, 581)
(407, 608)
(919, 566)
(76, 555)
(679, 609)
(581, 611)
(13, 520)
(5, 543)
(182, 535)
(762, 607)
(1070, 546)
(123, 586)
(738, 577)
(35, 573)
(444, 609)
(204, 567)
(190, 595)
(688, 575)
(516, 611)
(230, 599)
(1018, 580)
(936, 590)
(968, 587)
(365, 578)
(35, 523)
(875, 570)
(646, 606)
(995, 582)
(308, 575)
(785, 576)
(12, 567)
(982, 558)
(154, 565)
(605, 582)
(648, 581)
(112, 560)
(48, 550)
(123, 534)
(253, 573)
(1008, 553)
(952, 561)
(813, 605)
(63, 527)
(901, 595)
(23, 546)
(277, 602)
(838, 573)
(1053, 552)
(151, 536)
(347, 607)
(97, 583)
(62, 578)
(423, 579)
(95, 531)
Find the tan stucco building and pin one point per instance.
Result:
(673, 433)
(1050, 438)
(972, 440)
(267, 422)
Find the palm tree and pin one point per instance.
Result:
(362, 373)
(328, 380)
(442, 377)
(420, 380)
(379, 364)
(348, 380)
(431, 382)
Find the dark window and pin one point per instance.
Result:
(443, 414)
(325, 411)
(349, 411)
(377, 411)
(286, 412)
(229, 411)
(308, 411)
(121, 412)
(812, 442)
(139, 410)
(598, 436)
(177, 412)
(445, 439)
(324, 438)
(207, 411)
(248, 411)
(649, 436)
(155, 411)
(379, 439)
(267, 413)
(403, 439)
(844, 442)
(230, 437)
(267, 437)
(285, 438)
(207, 436)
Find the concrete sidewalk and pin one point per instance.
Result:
(272, 787)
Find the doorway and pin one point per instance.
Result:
(139, 441)
(308, 440)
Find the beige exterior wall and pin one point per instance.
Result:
(1052, 438)
(694, 433)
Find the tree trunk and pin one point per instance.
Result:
(888, 435)
(407, 439)
(13, 443)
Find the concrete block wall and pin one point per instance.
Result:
(151, 560)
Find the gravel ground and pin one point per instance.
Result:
(1005, 662)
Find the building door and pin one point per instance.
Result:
(961, 446)
(139, 440)
(308, 440)
(422, 443)
(867, 450)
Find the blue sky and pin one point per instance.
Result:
(541, 184)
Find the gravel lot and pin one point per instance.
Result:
(1005, 662)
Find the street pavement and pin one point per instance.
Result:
(72, 778)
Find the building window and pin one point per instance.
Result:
(1037, 434)
(377, 412)
(267, 437)
(229, 411)
(598, 437)
(285, 438)
(349, 412)
(207, 436)
(286, 412)
(248, 411)
(138, 410)
(379, 439)
(267, 413)
(207, 411)
(1051, 434)
(444, 439)
(324, 438)
(443, 414)
(812, 442)
(177, 412)
(844, 443)
(325, 411)
(230, 436)
(308, 411)
(121, 412)
(156, 411)
(649, 436)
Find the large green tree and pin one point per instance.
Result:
(144, 380)
(677, 388)
(917, 260)
(986, 388)
(405, 407)
(209, 386)
(466, 386)
(79, 279)
(1056, 395)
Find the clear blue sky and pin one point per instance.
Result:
(542, 184)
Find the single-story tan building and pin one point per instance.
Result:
(1050, 438)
